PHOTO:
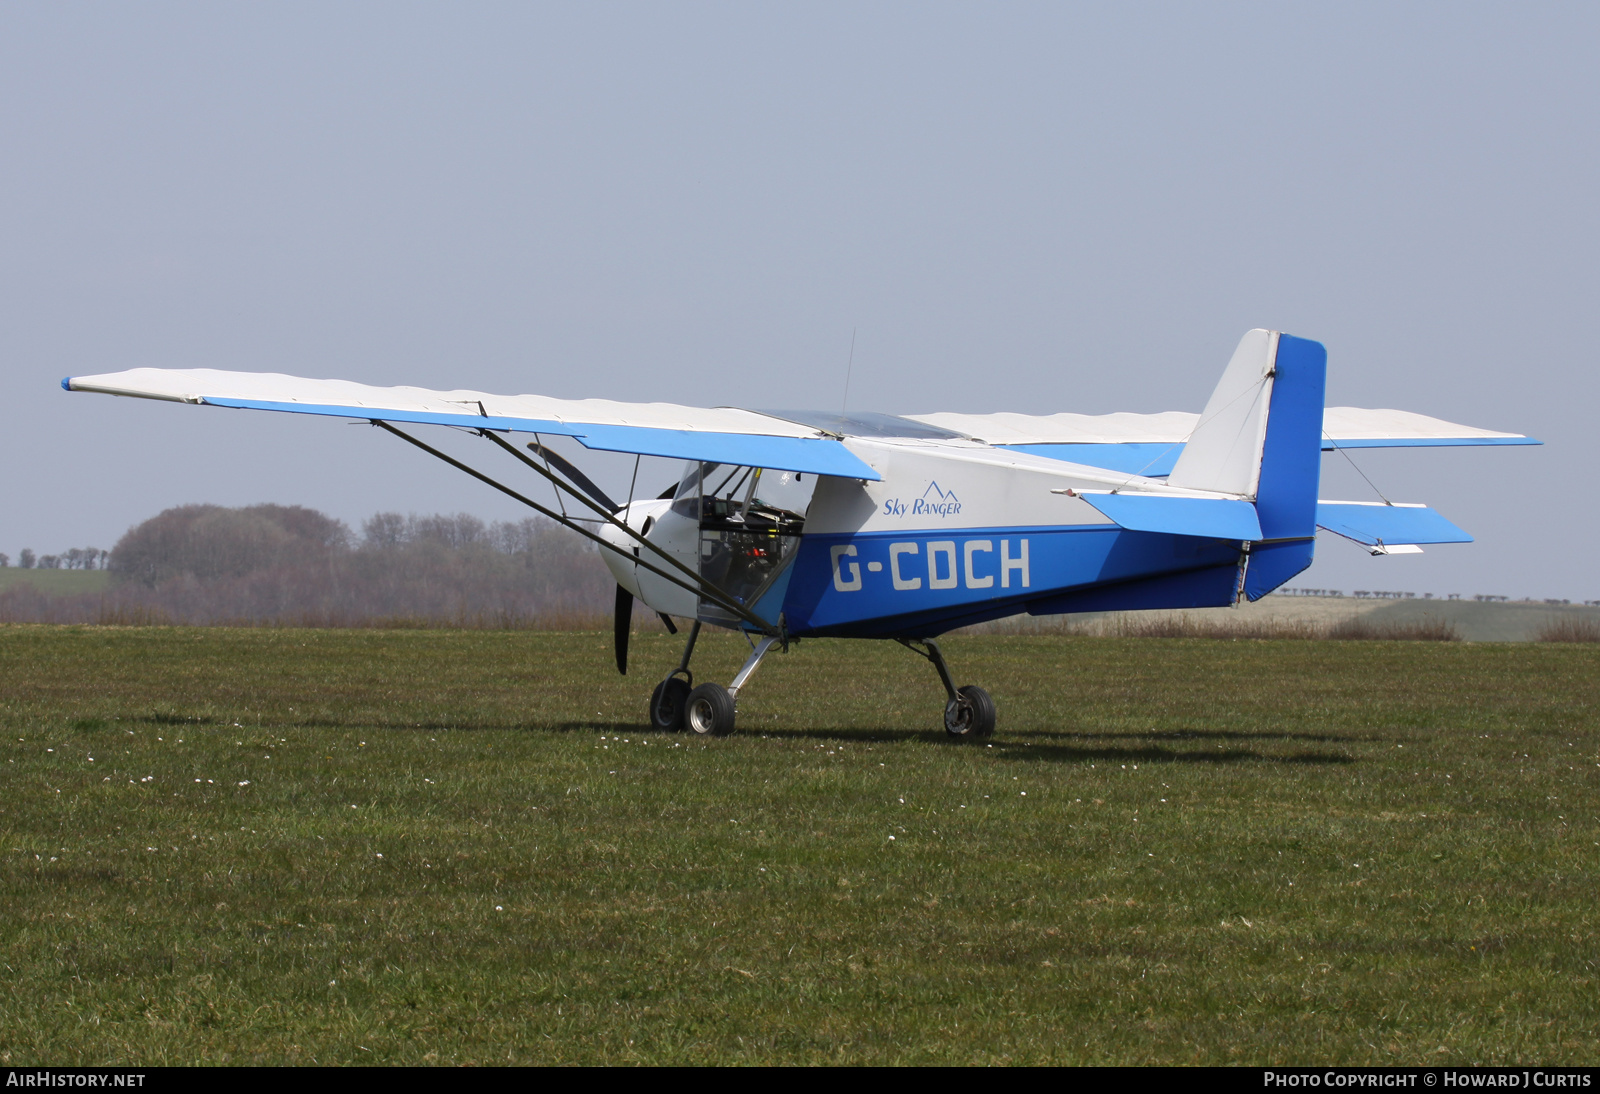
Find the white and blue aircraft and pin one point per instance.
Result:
(788, 524)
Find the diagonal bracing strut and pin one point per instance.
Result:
(720, 598)
(610, 518)
(701, 585)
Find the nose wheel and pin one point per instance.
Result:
(671, 696)
(667, 704)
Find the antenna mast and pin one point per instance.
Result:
(844, 405)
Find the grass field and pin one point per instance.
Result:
(55, 582)
(287, 846)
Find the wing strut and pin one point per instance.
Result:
(702, 588)
(712, 592)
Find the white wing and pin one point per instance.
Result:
(1150, 444)
(722, 434)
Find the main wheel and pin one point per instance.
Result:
(709, 711)
(970, 713)
(667, 703)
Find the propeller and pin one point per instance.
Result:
(577, 478)
(622, 627)
(622, 619)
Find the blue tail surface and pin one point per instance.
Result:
(1291, 466)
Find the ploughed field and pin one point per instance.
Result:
(296, 846)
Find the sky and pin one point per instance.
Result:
(1025, 207)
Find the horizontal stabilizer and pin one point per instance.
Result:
(1374, 524)
(1216, 518)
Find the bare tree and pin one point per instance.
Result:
(384, 530)
(26, 559)
(456, 532)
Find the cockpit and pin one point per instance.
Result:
(750, 520)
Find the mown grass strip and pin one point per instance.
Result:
(408, 847)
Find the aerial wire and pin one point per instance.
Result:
(1200, 420)
(844, 405)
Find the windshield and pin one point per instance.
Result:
(686, 501)
(789, 491)
(727, 491)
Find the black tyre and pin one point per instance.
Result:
(970, 713)
(667, 703)
(709, 711)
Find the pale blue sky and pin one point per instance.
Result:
(1019, 207)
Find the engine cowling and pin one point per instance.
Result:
(672, 532)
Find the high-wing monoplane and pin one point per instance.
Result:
(786, 524)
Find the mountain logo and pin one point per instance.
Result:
(934, 502)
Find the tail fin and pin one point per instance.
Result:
(1224, 451)
(1261, 437)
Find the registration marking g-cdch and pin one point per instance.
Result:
(944, 564)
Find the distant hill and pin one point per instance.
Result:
(55, 582)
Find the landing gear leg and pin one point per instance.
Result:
(710, 709)
(672, 694)
(968, 711)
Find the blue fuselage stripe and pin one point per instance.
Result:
(845, 581)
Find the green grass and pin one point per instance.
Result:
(55, 582)
(407, 847)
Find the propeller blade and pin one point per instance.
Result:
(577, 478)
(622, 627)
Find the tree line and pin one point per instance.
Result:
(290, 565)
(75, 558)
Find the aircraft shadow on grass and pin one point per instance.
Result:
(1234, 735)
(1153, 754)
(1064, 748)
(1081, 748)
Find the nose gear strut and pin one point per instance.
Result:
(671, 696)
